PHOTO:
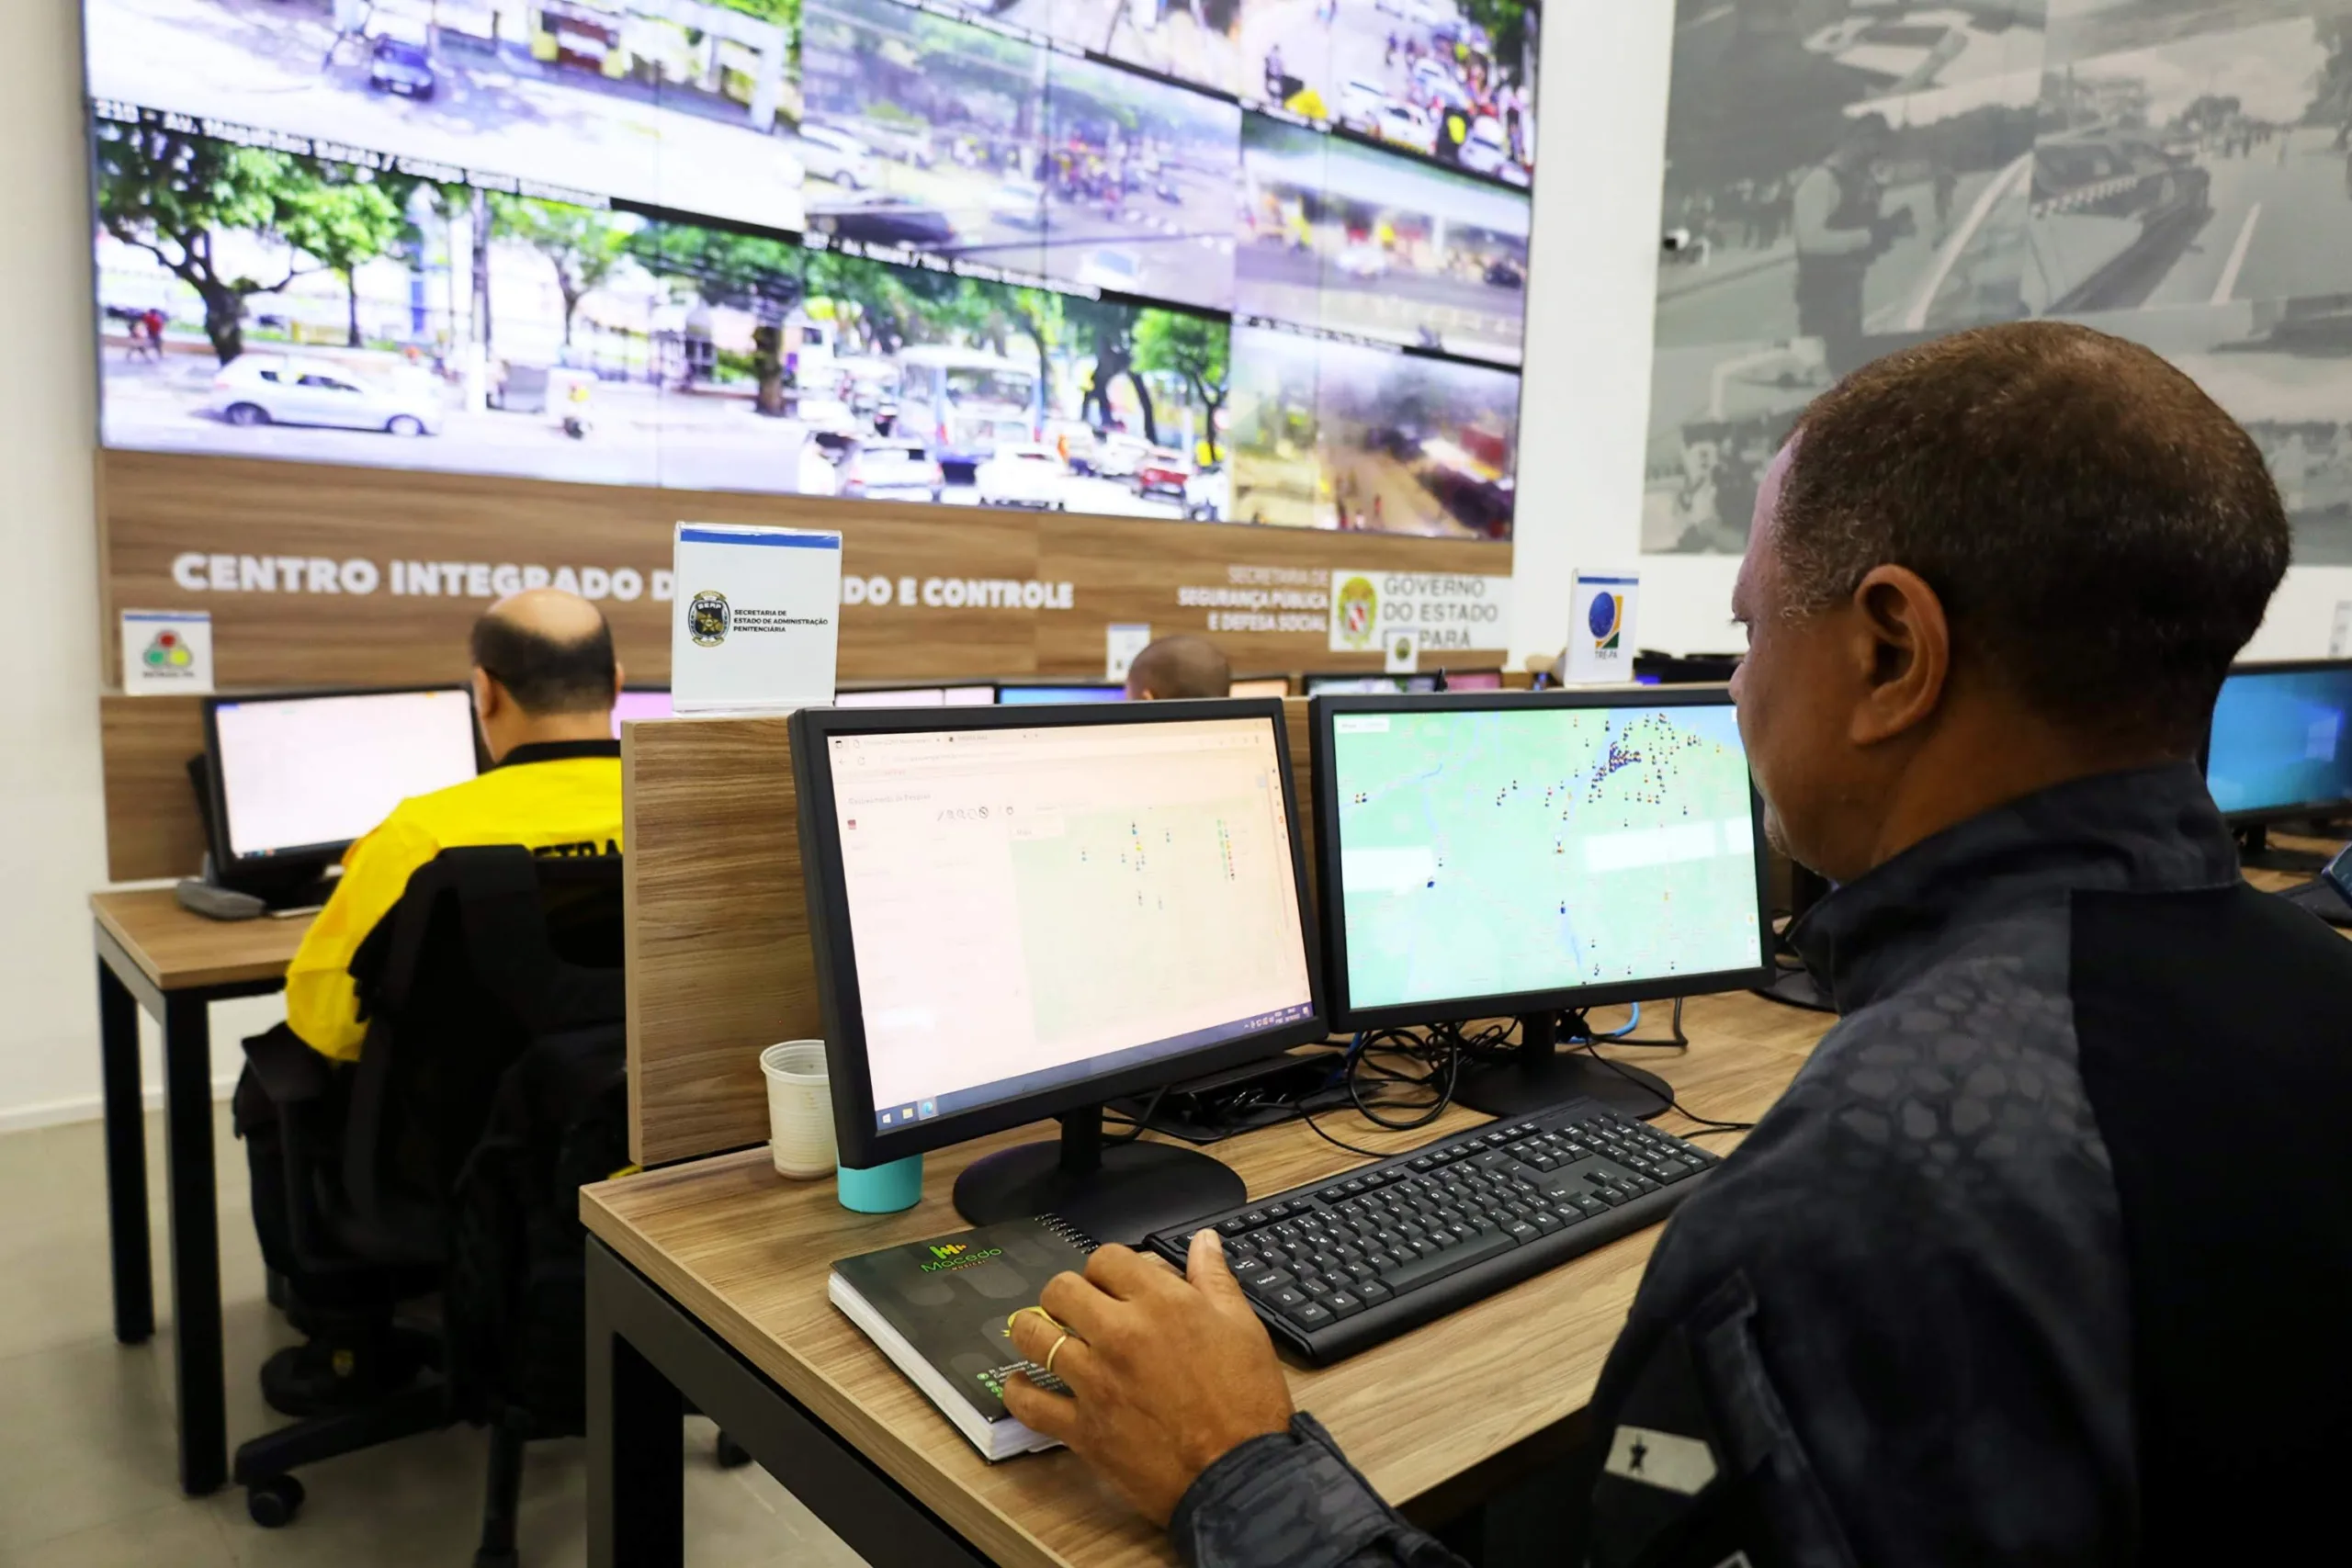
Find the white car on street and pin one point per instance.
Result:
(1362, 260)
(1022, 475)
(1483, 150)
(835, 155)
(1117, 271)
(279, 389)
(1208, 495)
(1407, 125)
(1120, 454)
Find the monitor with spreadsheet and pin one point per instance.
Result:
(302, 776)
(2280, 745)
(1021, 913)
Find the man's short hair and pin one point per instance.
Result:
(543, 675)
(2103, 538)
(1180, 666)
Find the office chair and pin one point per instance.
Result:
(491, 1085)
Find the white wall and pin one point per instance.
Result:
(1584, 419)
(52, 823)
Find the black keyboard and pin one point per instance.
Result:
(1342, 1265)
(2318, 895)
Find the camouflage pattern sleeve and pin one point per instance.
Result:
(1291, 1500)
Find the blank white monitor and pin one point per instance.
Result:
(1030, 907)
(312, 774)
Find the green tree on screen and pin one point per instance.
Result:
(169, 193)
(343, 220)
(583, 245)
(743, 272)
(1193, 347)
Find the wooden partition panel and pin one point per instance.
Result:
(152, 828)
(720, 961)
(718, 929)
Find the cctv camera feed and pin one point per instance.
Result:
(1327, 434)
(857, 248)
(1356, 240)
(674, 103)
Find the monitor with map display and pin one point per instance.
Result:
(1020, 913)
(1513, 855)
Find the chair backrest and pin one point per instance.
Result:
(488, 949)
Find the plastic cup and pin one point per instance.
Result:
(800, 1109)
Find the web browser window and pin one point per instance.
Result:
(308, 772)
(1029, 908)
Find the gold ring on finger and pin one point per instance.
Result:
(1056, 1351)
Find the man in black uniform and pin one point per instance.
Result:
(2043, 1257)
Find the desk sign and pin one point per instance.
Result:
(166, 653)
(757, 621)
(1601, 639)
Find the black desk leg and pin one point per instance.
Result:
(637, 1482)
(196, 1243)
(126, 1125)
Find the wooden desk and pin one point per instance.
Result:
(154, 954)
(707, 1281)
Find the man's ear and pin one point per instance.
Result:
(1901, 644)
(488, 698)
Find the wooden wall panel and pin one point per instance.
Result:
(160, 506)
(720, 960)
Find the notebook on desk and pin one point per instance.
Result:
(939, 1307)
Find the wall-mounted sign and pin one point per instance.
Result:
(166, 652)
(1447, 612)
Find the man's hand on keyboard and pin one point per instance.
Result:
(1167, 1373)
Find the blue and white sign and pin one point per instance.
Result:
(1600, 635)
(757, 624)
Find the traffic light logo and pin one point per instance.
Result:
(167, 651)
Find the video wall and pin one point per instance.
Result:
(1248, 261)
(1849, 176)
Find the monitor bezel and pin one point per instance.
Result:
(2263, 816)
(1331, 905)
(225, 855)
(859, 1141)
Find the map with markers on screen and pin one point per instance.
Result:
(1499, 852)
(1220, 260)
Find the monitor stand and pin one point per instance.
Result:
(1796, 987)
(1113, 1191)
(2256, 852)
(1539, 1076)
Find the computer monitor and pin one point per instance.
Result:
(1260, 686)
(294, 779)
(2280, 747)
(1653, 668)
(1024, 914)
(1343, 683)
(915, 696)
(1525, 854)
(1473, 679)
(1020, 694)
(640, 702)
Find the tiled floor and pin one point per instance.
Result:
(86, 1459)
